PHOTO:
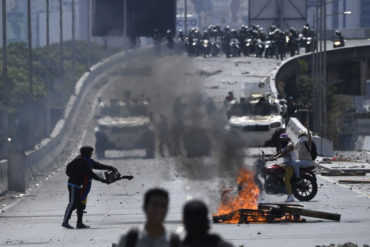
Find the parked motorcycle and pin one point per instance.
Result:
(270, 179)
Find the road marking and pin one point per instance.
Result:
(345, 186)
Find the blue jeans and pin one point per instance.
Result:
(301, 163)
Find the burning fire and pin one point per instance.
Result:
(247, 197)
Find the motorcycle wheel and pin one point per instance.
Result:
(306, 190)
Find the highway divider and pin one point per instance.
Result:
(324, 146)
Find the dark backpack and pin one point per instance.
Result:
(313, 150)
(72, 166)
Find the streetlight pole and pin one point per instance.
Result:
(73, 39)
(186, 16)
(324, 82)
(319, 67)
(88, 34)
(4, 53)
(5, 68)
(30, 74)
(61, 38)
(47, 70)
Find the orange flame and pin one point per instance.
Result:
(247, 198)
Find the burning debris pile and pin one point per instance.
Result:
(244, 208)
(247, 197)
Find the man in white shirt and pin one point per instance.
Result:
(302, 148)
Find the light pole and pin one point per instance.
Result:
(186, 16)
(5, 68)
(30, 75)
(319, 67)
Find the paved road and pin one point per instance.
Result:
(34, 219)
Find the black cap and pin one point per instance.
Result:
(86, 150)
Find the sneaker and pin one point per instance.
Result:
(290, 198)
(66, 225)
(81, 226)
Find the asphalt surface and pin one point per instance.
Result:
(34, 218)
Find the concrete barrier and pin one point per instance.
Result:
(324, 146)
(3, 176)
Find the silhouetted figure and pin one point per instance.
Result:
(157, 38)
(196, 222)
(80, 173)
(163, 135)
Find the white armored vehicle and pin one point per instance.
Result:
(124, 126)
(257, 119)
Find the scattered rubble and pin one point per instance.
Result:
(342, 173)
(272, 213)
(353, 181)
(208, 74)
(348, 244)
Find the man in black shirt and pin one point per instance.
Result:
(80, 175)
(197, 226)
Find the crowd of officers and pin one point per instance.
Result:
(246, 41)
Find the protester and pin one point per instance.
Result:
(303, 147)
(153, 233)
(288, 154)
(80, 175)
(197, 226)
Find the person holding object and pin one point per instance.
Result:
(80, 173)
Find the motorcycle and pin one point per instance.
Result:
(196, 47)
(206, 47)
(234, 48)
(338, 42)
(249, 47)
(260, 47)
(292, 45)
(270, 48)
(308, 44)
(270, 179)
(215, 47)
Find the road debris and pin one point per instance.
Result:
(353, 181)
(273, 213)
(342, 173)
(208, 74)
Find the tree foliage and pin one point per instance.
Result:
(15, 95)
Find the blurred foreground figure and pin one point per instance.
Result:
(196, 222)
(153, 233)
(80, 175)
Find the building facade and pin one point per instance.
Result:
(17, 21)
